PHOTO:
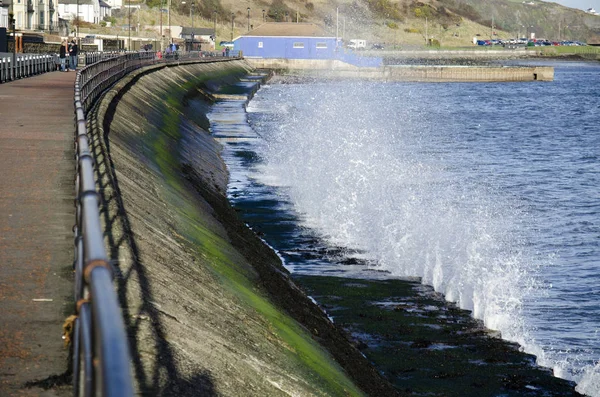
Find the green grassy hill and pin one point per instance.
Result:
(401, 23)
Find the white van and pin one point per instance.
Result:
(357, 44)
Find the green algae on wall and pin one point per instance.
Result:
(198, 319)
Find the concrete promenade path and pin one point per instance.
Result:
(36, 239)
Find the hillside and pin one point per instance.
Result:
(396, 23)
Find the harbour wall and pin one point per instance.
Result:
(417, 73)
(208, 307)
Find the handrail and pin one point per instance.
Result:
(25, 65)
(101, 360)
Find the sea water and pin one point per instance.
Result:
(489, 192)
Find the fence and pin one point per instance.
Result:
(25, 65)
(100, 348)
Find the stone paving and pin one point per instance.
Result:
(36, 239)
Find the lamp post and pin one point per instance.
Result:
(248, 19)
(77, 26)
(263, 16)
(128, 24)
(215, 28)
(192, 12)
(169, 20)
(232, 26)
(161, 31)
(11, 21)
(187, 46)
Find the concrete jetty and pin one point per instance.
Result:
(335, 69)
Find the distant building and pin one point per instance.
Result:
(88, 10)
(115, 4)
(38, 15)
(4, 17)
(591, 11)
(198, 39)
(291, 40)
(105, 9)
(287, 40)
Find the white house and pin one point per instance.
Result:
(32, 14)
(87, 10)
(4, 17)
(105, 9)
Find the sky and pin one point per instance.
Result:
(581, 4)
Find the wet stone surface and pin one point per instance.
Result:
(426, 346)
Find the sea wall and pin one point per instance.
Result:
(209, 309)
(426, 73)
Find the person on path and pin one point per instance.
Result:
(73, 53)
(62, 54)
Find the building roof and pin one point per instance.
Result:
(187, 31)
(287, 29)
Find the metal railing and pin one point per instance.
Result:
(25, 65)
(93, 57)
(101, 360)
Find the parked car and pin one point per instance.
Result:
(377, 47)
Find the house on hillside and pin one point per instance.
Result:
(4, 17)
(37, 15)
(288, 40)
(198, 39)
(88, 10)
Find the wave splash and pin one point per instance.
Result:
(378, 182)
(375, 169)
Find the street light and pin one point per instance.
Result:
(77, 31)
(248, 19)
(128, 24)
(232, 26)
(169, 21)
(12, 22)
(215, 28)
(263, 16)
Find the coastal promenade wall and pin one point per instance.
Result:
(209, 309)
(425, 73)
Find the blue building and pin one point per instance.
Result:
(287, 40)
(290, 40)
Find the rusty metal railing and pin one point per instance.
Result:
(101, 358)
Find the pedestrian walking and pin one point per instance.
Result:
(62, 54)
(73, 54)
